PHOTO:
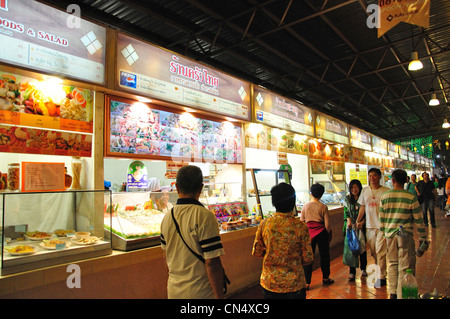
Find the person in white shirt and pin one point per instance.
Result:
(368, 215)
(191, 277)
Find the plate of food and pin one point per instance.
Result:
(63, 232)
(52, 243)
(85, 240)
(20, 250)
(37, 235)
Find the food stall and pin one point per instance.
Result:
(355, 156)
(279, 135)
(47, 101)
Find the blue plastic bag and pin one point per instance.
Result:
(353, 242)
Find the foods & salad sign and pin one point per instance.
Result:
(40, 37)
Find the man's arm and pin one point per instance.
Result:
(360, 218)
(214, 271)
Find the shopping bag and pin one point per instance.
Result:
(362, 241)
(353, 242)
(349, 258)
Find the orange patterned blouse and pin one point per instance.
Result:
(284, 244)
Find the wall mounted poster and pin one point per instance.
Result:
(137, 176)
(137, 130)
(39, 37)
(157, 73)
(44, 104)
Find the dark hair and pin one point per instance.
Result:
(283, 197)
(317, 190)
(350, 186)
(376, 170)
(399, 176)
(189, 179)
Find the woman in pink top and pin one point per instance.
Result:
(315, 215)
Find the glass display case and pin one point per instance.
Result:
(136, 218)
(334, 195)
(226, 202)
(331, 175)
(43, 229)
(259, 184)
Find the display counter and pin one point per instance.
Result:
(142, 273)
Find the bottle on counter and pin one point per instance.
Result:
(14, 176)
(67, 179)
(409, 286)
(76, 173)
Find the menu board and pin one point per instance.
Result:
(360, 139)
(379, 145)
(157, 73)
(44, 104)
(403, 153)
(267, 138)
(393, 150)
(331, 129)
(282, 113)
(140, 131)
(42, 38)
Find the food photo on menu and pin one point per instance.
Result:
(141, 130)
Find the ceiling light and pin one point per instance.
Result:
(415, 63)
(433, 101)
(446, 124)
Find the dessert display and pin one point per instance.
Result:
(136, 221)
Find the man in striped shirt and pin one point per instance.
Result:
(399, 207)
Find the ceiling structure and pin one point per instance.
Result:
(318, 52)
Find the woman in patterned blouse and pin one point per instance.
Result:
(284, 244)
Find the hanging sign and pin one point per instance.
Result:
(360, 139)
(42, 38)
(157, 73)
(282, 113)
(331, 129)
(393, 12)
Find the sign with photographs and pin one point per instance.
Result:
(137, 130)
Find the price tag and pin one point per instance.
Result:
(60, 246)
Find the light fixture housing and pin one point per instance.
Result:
(415, 63)
(446, 124)
(433, 101)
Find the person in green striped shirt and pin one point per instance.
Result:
(399, 207)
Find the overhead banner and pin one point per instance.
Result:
(331, 129)
(42, 38)
(157, 73)
(392, 13)
(282, 113)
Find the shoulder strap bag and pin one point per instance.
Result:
(226, 281)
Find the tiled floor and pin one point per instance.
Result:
(432, 271)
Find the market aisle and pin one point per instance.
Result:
(432, 271)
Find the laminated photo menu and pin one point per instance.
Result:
(135, 128)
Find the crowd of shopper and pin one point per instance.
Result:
(384, 216)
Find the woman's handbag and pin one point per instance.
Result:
(226, 281)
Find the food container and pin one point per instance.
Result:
(82, 235)
(14, 176)
(76, 173)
